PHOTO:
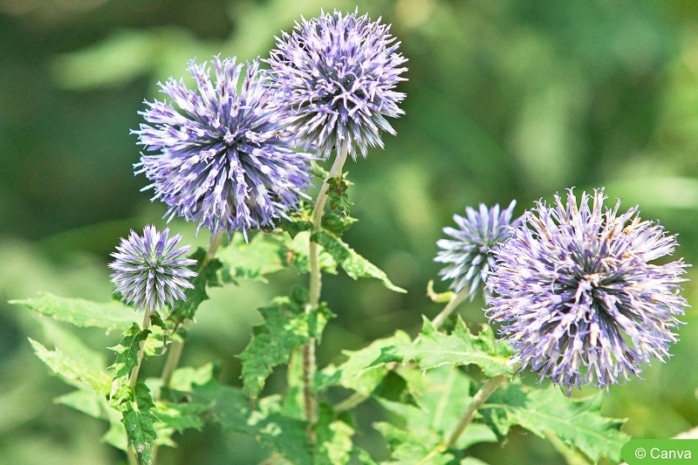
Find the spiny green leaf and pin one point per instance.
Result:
(334, 444)
(276, 431)
(286, 326)
(358, 372)
(139, 422)
(578, 423)
(75, 372)
(441, 401)
(127, 350)
(351, 262)
(228, 406)
(82, 313)
(207, 276)
(432, 349)
(254, 260)
(295, 252)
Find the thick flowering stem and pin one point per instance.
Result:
(315, 287)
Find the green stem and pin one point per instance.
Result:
(133, 379)
(315, 286)
(175, 352)
(478, 399)
(450, 306)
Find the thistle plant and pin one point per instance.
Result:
(575, 291)
(219, 155)
(579, 294)
(338, 74)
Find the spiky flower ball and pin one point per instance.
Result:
(220, 156)
(150, 271)
(338, 73)
(578, 293)
(469, 255)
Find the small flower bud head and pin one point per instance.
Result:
(469, 253)
(149, 271)
(338, 73)
(577, 293)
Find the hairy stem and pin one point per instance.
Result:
(314, 290)
(450, 306)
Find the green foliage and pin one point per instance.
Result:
(351, 262)
(207, 270)
(576, 422)
(138, 419)
(82, 313)
(287, 325)
(128, 350)
(433, 349)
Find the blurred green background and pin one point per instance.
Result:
(506, 100)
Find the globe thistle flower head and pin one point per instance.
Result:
(468, 254)
(219, 155)
(578, 295)
(338, 73)
(150, 271)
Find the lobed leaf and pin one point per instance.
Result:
(254, 260)
(138, 419)
(82, 313)
(578, 423)
(74, 372)
(351, 262)
(286, 326)
(127, 350)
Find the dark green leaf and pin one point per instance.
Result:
(127, 350)
(351, 262)
(138, 419)
(286, 326)
(83, 313)
(207, 276)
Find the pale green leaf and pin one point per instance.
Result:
(261, 256)
(74, 372)
(351, 262)
(358, 372)
(82, 313)
(433, 349)
(578, 423)
(334, 444)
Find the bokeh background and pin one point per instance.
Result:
(506, 99)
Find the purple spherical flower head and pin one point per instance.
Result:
(469, 254)
(338, 74)
(222, 157)
(149, 271)
(577, 295)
